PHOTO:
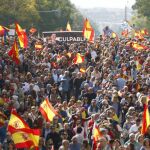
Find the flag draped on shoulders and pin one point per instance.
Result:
(14, 53)
(22, 36)
(88, 31)
(21, 134)
(146, 118)
(47, 110)
(68, 27)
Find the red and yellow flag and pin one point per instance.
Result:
(68, 27)
(16, 122)
(38, 46)
(2, 30)
(138, 65)
(22, 36)
(144, 32)
(114, 35)
(125, 33)
(3, 117)
(22, 135)
(138, 35)
(146, 118)
(78, 59)
(26, 138)
(33, 30)
(82, 70)
(96, 135)
(47, 110)
(14, 53)
(137, 46)
(88, 31)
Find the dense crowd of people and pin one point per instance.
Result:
(106, 91)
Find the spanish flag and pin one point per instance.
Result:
(16, 122)
(38, 46)
(144, 32)
(138, 35)
(82, 70)
(125, 33)
(137, 46)
(69, 54)
(47, 110)
(22, 135)
(33, 30)
(68, 27)
(3, 117)
(78, 59)
(96, 135)
(88, 31)
(14, 53)
(138, 65)
(26, 138)
(146, 118)
(23, 40)
(114, 35)
(2, 30)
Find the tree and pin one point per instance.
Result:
(56, 20)
(23, 11)
(42, 14)
(143, 9)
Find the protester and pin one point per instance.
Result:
(107, 91)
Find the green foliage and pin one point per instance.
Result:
(143, 10)
(141, 22)
(42, 14)
(23, 11)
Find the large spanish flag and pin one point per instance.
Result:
(88, 31)
(28, 138)
(16, 122)
(22, 135)
(22, 36)
(146, 118)
(14, 53)
(47, 110)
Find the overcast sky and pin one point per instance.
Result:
(102, 3)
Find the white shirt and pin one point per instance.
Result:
(26, 87)
(93, 54)
(133, 129)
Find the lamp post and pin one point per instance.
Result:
(125, 10)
